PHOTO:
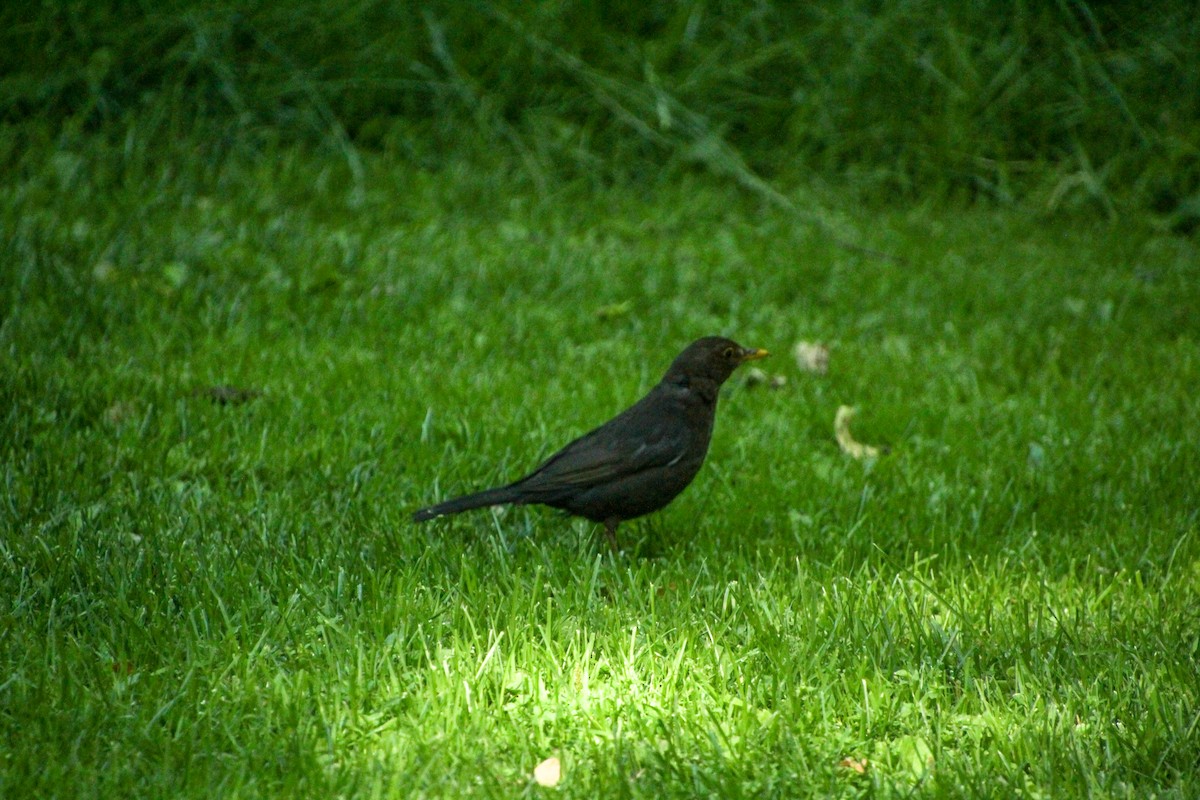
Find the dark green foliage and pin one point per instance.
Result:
(1075, 105)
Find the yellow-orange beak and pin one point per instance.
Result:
(753, 354)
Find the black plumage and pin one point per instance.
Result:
(638, 461)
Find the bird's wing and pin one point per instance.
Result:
(612, 451)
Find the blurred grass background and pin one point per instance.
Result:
(1077, 106)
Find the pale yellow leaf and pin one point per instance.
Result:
(859, 765)
(549, 772)
(812, 357)
(841, 430)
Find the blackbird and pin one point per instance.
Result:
(638, 461)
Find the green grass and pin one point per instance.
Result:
(206, 600)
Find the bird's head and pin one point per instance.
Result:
(712, 357)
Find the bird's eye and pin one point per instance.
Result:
(728, 352)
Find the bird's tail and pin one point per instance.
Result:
(488, 497)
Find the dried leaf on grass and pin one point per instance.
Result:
(812, 357)
(851, 447)
(549, 772)
(228, 395)
(858, 765)
(757, 377)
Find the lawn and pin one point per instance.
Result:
(213, 593)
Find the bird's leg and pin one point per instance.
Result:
(610, 531)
